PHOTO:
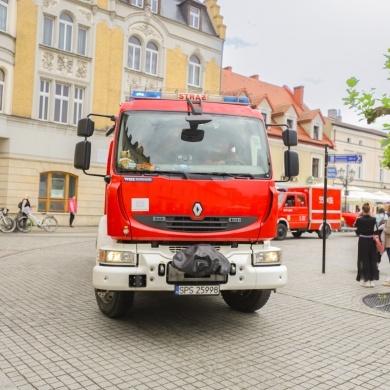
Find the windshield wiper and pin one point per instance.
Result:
(225, 174)
(168, 173)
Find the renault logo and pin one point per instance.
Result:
(197, 209)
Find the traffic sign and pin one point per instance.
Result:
(345, 158)
(331, 172)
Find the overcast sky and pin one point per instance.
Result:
(315, 43)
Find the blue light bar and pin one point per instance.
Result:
(147, 94)
(236, 99)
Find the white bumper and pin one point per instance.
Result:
(147, 275)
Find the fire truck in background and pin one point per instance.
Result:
(190, 201)
(301, 209)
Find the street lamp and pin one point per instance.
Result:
(346, 176)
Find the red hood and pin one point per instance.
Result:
(138, 201)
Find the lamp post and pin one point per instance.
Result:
(346, 177)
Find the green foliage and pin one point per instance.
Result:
(366, 105)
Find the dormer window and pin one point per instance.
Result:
(194, 17)
(290, 123)
(316, 132)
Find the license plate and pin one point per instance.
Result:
(197, 290)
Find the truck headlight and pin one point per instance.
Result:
(117, 257)
(261, 258)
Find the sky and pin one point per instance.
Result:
(318, 44)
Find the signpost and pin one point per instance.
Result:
(345, 158)
(331, 172)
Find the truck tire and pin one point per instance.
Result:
(246, 301)
(297, 234)
(114, 303)
(327, 232)
(281, 233)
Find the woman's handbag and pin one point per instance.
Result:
(379, 244)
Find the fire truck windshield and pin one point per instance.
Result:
(155, 141)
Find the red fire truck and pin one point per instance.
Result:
(190, 202)
(301, 209)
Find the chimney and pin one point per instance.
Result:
(229, 68)
(335, 114)
(298, 95)
(255, 76)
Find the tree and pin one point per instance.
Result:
(371, 107)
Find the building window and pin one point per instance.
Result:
(3, 14)
(151, 58)
(44, 96)
(65, 32)
(290, 123)
(55, 188)
(194, 17)
(348, 140)
(315, 167)
(316, 132)
(154, 6)
(61, 103)
(2, 82)
(82, 41)
(78, 104)
(264, 117)
(134, 54)
(48, 24)
(138, 3)
(194, 72)
(359, 170)
(381, 174)
(361, 142)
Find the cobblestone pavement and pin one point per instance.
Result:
(315, 333)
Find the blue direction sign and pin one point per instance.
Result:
(345, 158)
(331, 172)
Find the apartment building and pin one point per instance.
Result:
(61, 60)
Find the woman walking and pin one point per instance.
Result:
(367, 266)
(72, 209)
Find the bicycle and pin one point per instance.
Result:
(48, 223)
(7, 224)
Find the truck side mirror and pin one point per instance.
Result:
(291, 163)
(85, 127)
(82, 155)
(290, 137)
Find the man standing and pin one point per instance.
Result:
(72, 209)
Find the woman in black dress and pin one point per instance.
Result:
(367, 255)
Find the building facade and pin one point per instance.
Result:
(61, 60)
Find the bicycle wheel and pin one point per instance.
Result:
(7, 224)
(49, 224)
(24, 224)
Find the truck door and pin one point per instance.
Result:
(295, 208)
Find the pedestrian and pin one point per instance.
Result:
(381, 215)
(25, 209)
(386, 234)
(72, 209)
(25, 205)
(367, 265)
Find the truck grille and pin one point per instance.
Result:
(182, 223)
(186, 224)
(178, 248)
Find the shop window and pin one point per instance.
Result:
(55, 188)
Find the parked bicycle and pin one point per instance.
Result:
(7, 224)
(48, 222)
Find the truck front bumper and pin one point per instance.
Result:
(155, 273)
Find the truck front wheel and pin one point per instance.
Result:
(114, 303)
(281, 232)
(327, 232)
(246, 301)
